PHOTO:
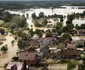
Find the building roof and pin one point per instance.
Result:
(71, 46)
(47, 38)
(69, 52)
(27, 56)
(18, 64)
(33, 42)
(81, 31)
(46, 41)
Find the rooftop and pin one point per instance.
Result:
(27, 56)
(18, 64)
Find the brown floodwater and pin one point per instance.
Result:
(6, 57)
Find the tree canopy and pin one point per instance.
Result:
(4, 48)
(70, 66)
(21, 44)
(58, 25)
(41, 15)
(2, 31)
(19, 21)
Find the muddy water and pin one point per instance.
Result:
(1, 68)
(5, 58)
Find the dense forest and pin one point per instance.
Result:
(34, 4)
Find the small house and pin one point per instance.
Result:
(81, 32)
(68, 54)
(15, 66)
(46, 41)
(29, 57)
(71, 47)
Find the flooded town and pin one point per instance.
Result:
(42, 37)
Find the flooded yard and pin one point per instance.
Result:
(6, 57)
(1, 68)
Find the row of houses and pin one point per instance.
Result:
(80, 32)
(30, 57)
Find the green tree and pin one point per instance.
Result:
(37, 24)
(13, 25)
(21, 44)
(24, 36)
(27, 15)
(68, 22)
(48, 35)
(82, 26)
(31, 33)
(81, 67)
(41, 15)
(70, 66)
(4, 49)
(2, 31)
(15, 37)
(77, 26)
(7, 25)
(58, 25)
(12, 42)
(34, 16)
(7, 17)
(39, 32)
(61, 19)
(19, 21)
(54, 30)
(66, 36)
(44, 22)
(70, 17)
(68, 28)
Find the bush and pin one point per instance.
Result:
(15, 58)
(70, 66)
(79, 46)
(2, 31)
(4, 49)
(5, 65)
